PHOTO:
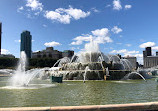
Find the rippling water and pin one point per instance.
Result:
(43, 93)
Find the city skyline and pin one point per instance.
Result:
(124, 27)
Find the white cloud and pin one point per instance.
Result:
(76, 13)
(34, 5)
(74, 48)
(132, 55)
(55, 16)
(155, 48)
(128, 6)
(120, 36)
(117, 5)
(100, 36)
(119, 51)
(76, 43)
(79, 39)
(52, 44)
(140, 60)
(95, 10)
(4, 51)
(83, 38)
(17, 41)
(124, 51)
(20, 9)
(133, 52)
(119, 43)
(138, 55)
(108, 6)
(128, 45)
(101, 32)
(65, 15)
(147, 44)
(102, 40)
(116, 30)
(29, 16)
(37, 13)
(61, 15)
(31, 9)
(44, 25)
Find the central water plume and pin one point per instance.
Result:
(90, 53)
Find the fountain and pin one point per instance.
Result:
(92, 64)
(89, 64)
(21, 77)
(133, 75)
(84, 77)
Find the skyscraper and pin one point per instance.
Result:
(26, 43)
(148, 51)
(0, 36)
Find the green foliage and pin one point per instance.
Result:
(32, 63)
(8, 62)
(41, 62)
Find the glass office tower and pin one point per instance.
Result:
(26, 43)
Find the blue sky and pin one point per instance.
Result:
(118, 26)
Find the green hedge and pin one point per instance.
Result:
(32, 63)
(44, 62)
(8, 62)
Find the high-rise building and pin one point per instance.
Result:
(26, 43)
(132, 60)
(0, 36)
(148, 51)
(51, 53)
(67, 53)
(148, 59)
(156, 53)
(144, 54)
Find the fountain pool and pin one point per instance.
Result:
(76, 93)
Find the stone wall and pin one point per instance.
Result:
(150, 106)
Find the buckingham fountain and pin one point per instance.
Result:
(92, 64)
(88, 64)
